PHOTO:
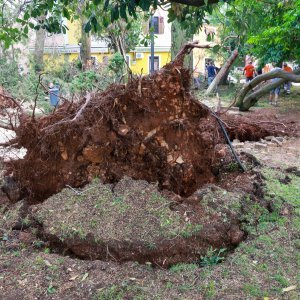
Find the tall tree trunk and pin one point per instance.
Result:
(179, 38)
(39, 47)
(225, 68)
(85, 46)
(224, 79)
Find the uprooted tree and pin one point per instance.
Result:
(152, 129)
(245, 101)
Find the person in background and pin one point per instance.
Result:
(287, 85)
(249, 71)
(274, 94)
(211, 72)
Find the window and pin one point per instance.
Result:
(158, 25)
(156, 63)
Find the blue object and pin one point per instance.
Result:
(54, 96)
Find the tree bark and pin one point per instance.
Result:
(180, 38)
(244, 102)
(39, 47)
(85, 47)
(225, 68)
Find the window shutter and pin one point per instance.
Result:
(161, 25)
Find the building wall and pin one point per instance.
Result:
(199, 55)
(68, 48)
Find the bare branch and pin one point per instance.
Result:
(13, 100)
(37, 94)
(187, 48)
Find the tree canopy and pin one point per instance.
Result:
(190, 13)
(269, 30)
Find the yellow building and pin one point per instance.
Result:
(202, 56)
(65, 47)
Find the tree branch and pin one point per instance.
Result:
(187, 48)
(243, 102)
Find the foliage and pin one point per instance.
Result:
(85, 81)
(21, 87)
(212, 257)
(279, 38)
(116, 64)
(269, 30)
(110, 11)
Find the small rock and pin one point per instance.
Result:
(263, 141)
(280, 139)
(239, 145)
(286, 210)
(276, 141)
(180, 160)
(235, 141)
(269, 138)
(123, 130)
(258, 145)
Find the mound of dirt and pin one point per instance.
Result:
(151, 129)
(133, 221)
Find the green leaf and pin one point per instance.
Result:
(66, 13)
(94, 22)
(123, 11)
(26, 29)
(216, 48)
(115, 13)
(96, 2)
(87, 27)
(26, 15)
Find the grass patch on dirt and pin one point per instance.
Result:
(133, 211)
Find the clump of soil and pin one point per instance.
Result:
(133, 221)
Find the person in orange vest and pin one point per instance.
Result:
(249, 71)
(287, 85)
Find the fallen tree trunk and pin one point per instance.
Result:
(244, 102)
(225, 68)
